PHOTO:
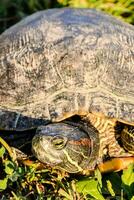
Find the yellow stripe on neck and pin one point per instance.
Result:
(71, 161)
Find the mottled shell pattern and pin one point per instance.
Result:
(60, 60)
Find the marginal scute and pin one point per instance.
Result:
(61, 103)
(10, 120)
(126, 111)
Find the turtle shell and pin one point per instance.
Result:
(64, 60)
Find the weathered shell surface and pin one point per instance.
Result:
(60, 60)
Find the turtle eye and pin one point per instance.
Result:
(59, 142)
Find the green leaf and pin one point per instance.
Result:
(89, 186)
(128, 181)
(9, 167)
(3, 184)
(128, 175)
(98, 176)
(110, 189)
(2, 151)
(16, 175)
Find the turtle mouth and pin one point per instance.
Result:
(49, 159)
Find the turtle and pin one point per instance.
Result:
(69, 73)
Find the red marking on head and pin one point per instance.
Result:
(82, 141)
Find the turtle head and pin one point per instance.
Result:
(63, 146)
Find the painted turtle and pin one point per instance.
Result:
(61, 63)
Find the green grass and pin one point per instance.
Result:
(123, 9)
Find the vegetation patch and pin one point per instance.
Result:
(20, 182)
